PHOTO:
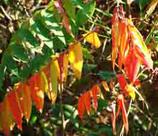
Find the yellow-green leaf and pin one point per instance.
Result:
(54, 73)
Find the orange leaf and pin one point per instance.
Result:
(63, 65)
(123, 42)
(24, 98)
(76, 59)
(6, 118)
(15, 107)
(141, 50)
(122, 108)
(37, 93)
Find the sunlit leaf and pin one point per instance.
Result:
(131, 90)
(115, 35)
(15, 107)
(76, 59)
(93, 39)
(132, 66)
(123, 49)
(24, 98)
(37, 93)
(55, 76)
(44, 82)
(139, 46)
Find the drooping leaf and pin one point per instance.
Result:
(37, 93)
(115, 35)
(6, 117)
(122, 81)
(81, 107)
(140, 48)
(55, 76)
(95, 91)
(132, 66)
(87, 101)
(76, 59)
(44, 82)
(120, 101)
(123, 50)
(63, 65)
(93, 39)
(15, 107)
(24, 98)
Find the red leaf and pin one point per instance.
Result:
(15, 107)
(132, 66)
(87, 101)
(81, 107)
(95, 91)
(122, 81)
(122, 108)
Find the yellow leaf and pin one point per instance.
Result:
(92, 38)
(54, 73)
(76, 59)
(131, 90)
(105, 85)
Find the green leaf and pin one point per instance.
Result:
(19, 53)
(70, 8)
(106, 75)
(24, 34)
(85, 12)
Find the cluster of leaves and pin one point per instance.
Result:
(46, 49)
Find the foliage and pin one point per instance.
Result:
(48, 64)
